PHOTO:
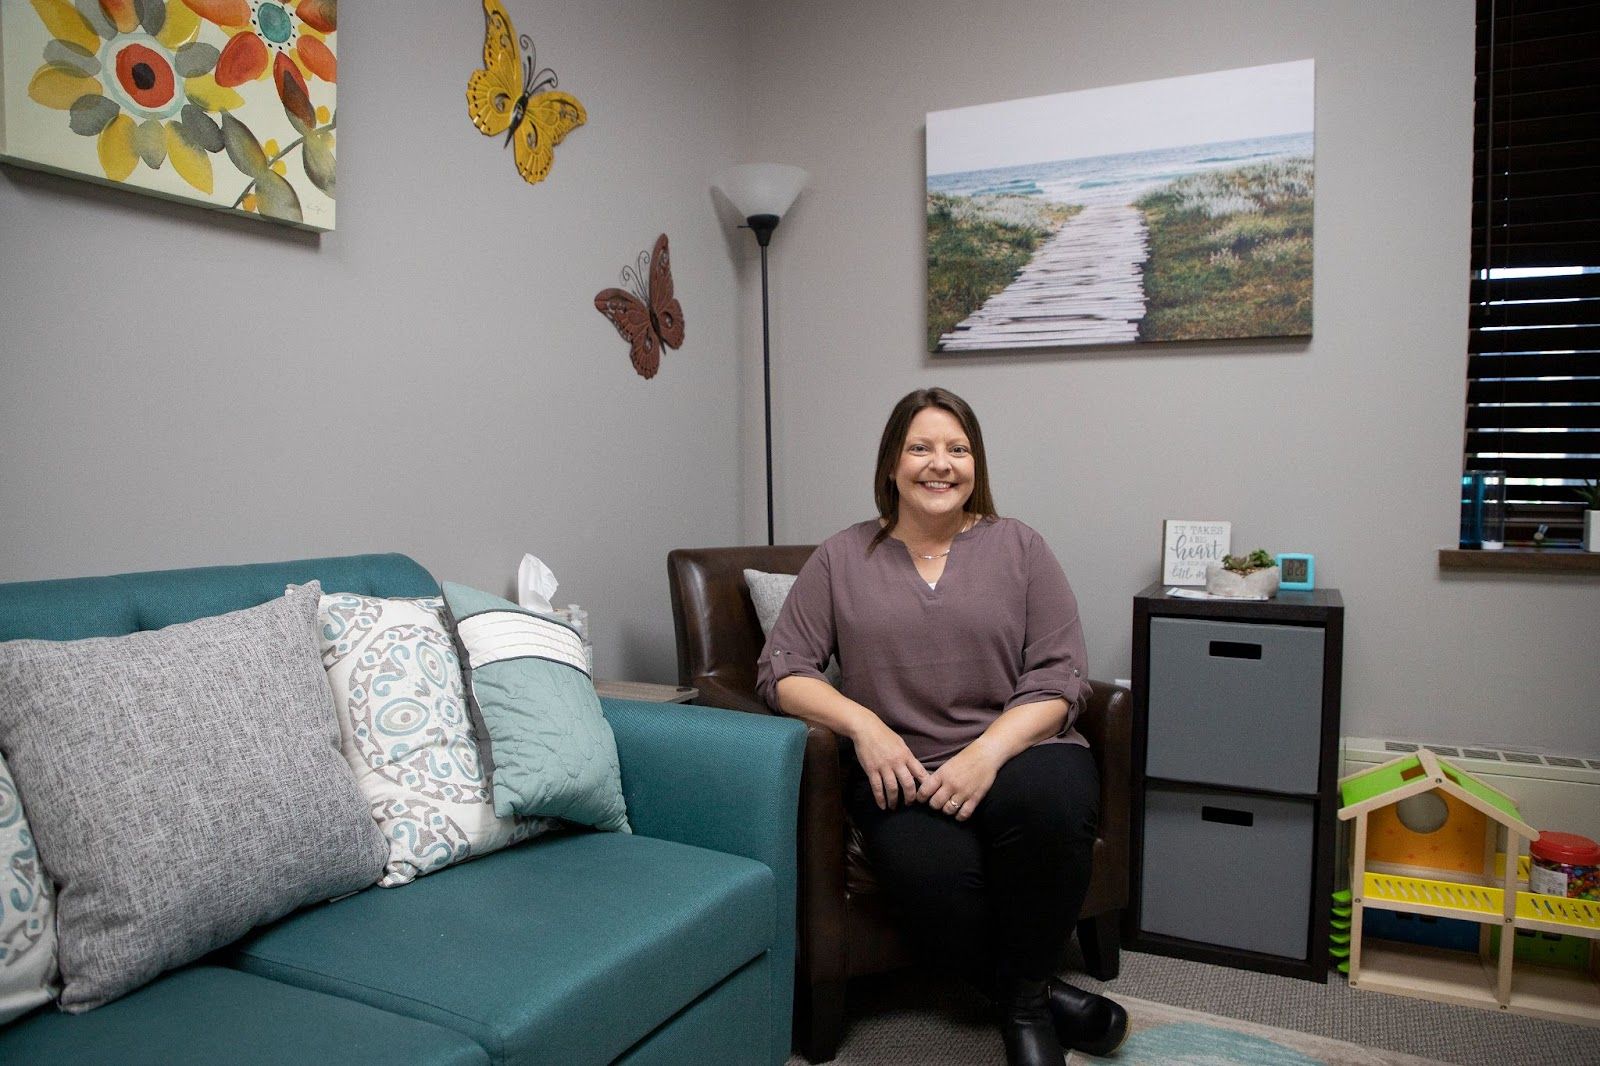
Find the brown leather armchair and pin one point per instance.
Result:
(845, 926)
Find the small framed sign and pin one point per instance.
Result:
(1297, 572)
(1187, 546)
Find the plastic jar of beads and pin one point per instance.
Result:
(1565, 864)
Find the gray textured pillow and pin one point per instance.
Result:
(768, 593)
(183, 785)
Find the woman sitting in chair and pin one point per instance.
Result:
(963, 669)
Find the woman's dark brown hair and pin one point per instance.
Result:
(887, 494)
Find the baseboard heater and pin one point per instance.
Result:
(1559, 792)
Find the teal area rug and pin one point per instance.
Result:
(1160, 1035)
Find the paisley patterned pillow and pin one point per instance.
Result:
(27, 912)
(406, 733)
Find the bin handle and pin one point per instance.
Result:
(1235, 649)
(1227, 816)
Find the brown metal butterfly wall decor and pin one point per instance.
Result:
(645, 312)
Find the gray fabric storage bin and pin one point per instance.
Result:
(1235, 703)
(1228, 869)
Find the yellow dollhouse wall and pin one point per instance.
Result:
(1457, 845)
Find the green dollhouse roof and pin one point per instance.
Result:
(1488, 795)
(1401, 773)
(1380, 779)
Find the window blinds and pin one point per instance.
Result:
(1533, 394)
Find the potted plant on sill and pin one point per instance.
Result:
(1253, 576)
(1591, 515)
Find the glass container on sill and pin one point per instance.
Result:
(1483, 509)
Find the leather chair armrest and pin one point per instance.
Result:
(822, 933)
(1107, 724)
(716, 693)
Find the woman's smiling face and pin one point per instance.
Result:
(935, 472)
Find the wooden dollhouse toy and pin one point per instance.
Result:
(1433, 842)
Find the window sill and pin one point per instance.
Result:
(1522, 560)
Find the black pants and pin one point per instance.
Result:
(995, 896)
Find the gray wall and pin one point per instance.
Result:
(181, 388)
(431, 378)
(1346, 446)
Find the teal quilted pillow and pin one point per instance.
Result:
(547, 747)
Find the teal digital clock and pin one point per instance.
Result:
(1297, 572)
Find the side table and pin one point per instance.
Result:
(644, 691)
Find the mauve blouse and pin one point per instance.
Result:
(937, 665)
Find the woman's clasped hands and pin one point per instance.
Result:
(891, 769)
(896, 775)
(957, 787)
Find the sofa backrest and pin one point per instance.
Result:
(74, 608)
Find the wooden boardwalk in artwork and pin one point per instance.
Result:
(1084, 286)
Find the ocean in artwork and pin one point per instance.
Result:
(1119, 179)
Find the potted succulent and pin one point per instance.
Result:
(1253, 576)
(1591, 515)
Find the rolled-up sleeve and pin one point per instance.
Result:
(1053, 654)
(802, 640)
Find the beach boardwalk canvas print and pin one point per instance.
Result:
(1168, 210)
(226, 103)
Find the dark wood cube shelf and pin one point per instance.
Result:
(1235, 787)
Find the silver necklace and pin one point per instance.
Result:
(941, 555)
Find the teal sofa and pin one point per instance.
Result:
(671, 945)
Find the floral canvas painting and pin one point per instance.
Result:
(226, 103)
(1167, 210)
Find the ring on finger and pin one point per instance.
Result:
(953, 805)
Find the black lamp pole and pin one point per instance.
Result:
(762, 226)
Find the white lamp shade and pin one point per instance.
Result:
(761, 188)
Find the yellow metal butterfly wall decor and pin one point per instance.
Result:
(505, 97)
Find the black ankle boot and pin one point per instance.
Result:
(1026, 1025)
(1084, 1021)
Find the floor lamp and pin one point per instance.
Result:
(762, 192)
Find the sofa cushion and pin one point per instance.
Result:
(183, 785)
(27, 912)
(205, 1015)
(406, 733)
(730, 1024)
(567, 949)
(548, 747)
